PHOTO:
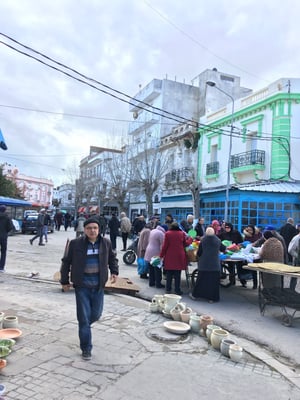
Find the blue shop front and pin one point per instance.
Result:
(259, 205)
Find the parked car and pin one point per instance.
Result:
(29, 224)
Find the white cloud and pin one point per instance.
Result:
(125, 44)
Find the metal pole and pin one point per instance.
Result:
(213, 84)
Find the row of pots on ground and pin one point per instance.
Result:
(201, 324)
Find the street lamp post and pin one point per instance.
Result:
(213, 84)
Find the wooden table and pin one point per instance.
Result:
(277, 296)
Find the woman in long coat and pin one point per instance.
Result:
(208, 280)
(174, 256)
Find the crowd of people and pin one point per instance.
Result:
(169, 240)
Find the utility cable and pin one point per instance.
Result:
(184, 120)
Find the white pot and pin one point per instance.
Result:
(217, 336)
(235, 352)
(10, 321)
(224, 346)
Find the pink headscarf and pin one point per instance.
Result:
(216, 225)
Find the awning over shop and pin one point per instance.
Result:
(94, 209)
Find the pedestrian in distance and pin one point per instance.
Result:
(86, 264)
(47, 223)
(40, 228)
(125, 226)
(103, 224)
(114, 226)
(79, 225)
(6, 226)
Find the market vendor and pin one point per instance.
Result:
(231, 234)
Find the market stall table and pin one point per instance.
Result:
(278, 295)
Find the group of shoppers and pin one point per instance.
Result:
(273, 247)
(166, 242)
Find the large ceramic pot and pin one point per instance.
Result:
(169, 301)
(209, 330)
(224, 346)
(195, 323)
(235, 352)
(217, 336)
(10, 321)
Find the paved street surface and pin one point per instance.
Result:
(133, 356)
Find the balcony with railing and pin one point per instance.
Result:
(252, 159)
(179, 175)
(212, 168)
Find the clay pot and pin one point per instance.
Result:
(235, 352)
(224, 346)
(10, 321)
(169, 301)
(2, 363)
(195, 323)
(158, 300)
(209, 330)
(217, 336)
(204, 321)
(175, 313)
(185, 315)
(153, 307)
(1, 319)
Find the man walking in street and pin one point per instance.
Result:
(125, 226)
(6, 226)
(88, 258)
(40, 228)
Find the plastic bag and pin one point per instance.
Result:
(142, 267)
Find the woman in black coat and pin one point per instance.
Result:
(208, 279)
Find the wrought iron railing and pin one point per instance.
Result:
(253, 157)
(212, 168)
(179, 175)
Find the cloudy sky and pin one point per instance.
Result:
(49, 120)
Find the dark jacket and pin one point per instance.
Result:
(233, 235)
(114, 225)
(75, 259)
(200, 229)
(288, 231)
(6, 225)
(208, 253)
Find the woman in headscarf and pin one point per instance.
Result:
(208, 280)
(272, 251)
(174, 256)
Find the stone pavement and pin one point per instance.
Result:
(133, 356)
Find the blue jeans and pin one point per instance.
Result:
(89, 305)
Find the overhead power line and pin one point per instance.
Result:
(132, 101)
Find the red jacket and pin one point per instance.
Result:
(173, 250)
